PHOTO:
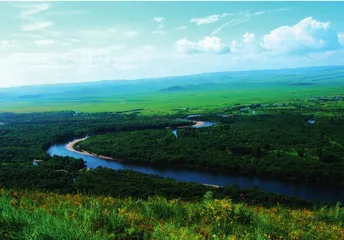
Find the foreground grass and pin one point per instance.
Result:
(35, 215)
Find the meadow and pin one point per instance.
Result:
(193, 94)
(40, 215)
(167, 103)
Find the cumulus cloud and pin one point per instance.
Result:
(208, 19)
(248, 45)
(306, 36)
(249, 38)
(210, 45)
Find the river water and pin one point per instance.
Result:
(295, 189)
(303, 191)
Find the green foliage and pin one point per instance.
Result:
(38, 215)
(280, 145)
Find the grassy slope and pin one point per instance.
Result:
(35, 215)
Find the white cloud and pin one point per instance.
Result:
(4, 44)
(258, 13)
(247, 46)
(25, 35)
(30, 10)
(130, 33)
(249, 38)
(66, 13)
(160, 27)
(104, 36)
(36, 26)
(159, 32)
(208, 19)
(79, 64)
(341, 38)
(181, 28)
(305, 36)
(243, 17)
(159, 19)
(210, 45)
(232, 22)
(124, 67)
(44, 42)
(29, 14)
(49, 42)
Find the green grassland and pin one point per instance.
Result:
(37, 215)
(162, 103)
(197, 93)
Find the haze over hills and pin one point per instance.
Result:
(176, 92)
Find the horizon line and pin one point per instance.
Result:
(171, 76)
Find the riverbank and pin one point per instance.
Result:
(70, 147)
(195, 125)
(211, 185)
(198, 123)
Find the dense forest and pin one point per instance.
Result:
(25, 137)
(283, 145)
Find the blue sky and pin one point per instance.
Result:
(54, 42)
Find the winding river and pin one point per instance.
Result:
(295, 189)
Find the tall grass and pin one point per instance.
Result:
(37, 215)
